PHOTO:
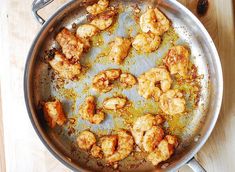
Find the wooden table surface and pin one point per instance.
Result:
(21, 149)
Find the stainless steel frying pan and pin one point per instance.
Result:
(39, 86)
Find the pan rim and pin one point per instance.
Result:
(185, 158)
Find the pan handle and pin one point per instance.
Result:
(195, 165)
(36, 6)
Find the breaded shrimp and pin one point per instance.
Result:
(85, 140)
(119, 49)
(64, 68)
(53, 113)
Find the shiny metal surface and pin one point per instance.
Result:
(195, 166)
(39, 87)
(36, 6)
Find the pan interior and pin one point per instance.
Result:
(73, 93)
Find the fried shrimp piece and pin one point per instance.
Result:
(177, 60)
(154, 21)
(152, 138)
(96, 151)
(85, 140)
(164, 150)
(119, 49)
(87, 31)
(102, 82)
(114, 103)
(146, 133)
(108, 144)
(172, 102)
(53, 113)
(71, 45)
(145, 123)
(89, 112)
(104, 20)
(146, 42)
(149, 81)
(127, 80)
(124, 147)
(99, 7)
(63, 67)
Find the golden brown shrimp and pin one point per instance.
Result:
(102, 82)
(104, 20)
(71, 45)
(124, 147)
(53, 113)
(127, 80)
(154, 21)
(96, 151)
(64, 68)
(88, 111)
(98, 7)
(85, 140)
(172, 102)
(148, 83)
(119, 49)
(146, 42)
(108, 145)
(177, 60)
(164, 150)
(114, 103)
(87, 31)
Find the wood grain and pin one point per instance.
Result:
(23, 149)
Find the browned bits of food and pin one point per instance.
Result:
(154, 21)
(71, 45)
(96, 151)
(98, 7)
(124, 147)
(87, 31)
(127, 80)
(172, 102)
(153, 82)
(85, 140)
(89, 112)
(53, 113)
(64, 68)
(102, 82)
(146, 42)
(164, 150)
(108, 144)
(177, 60)
(104, 20)
(119, 49)
(146, 133)
(114, 103)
